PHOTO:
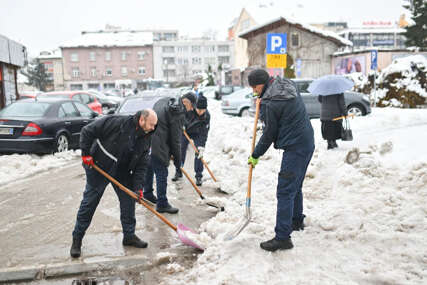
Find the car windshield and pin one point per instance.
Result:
(133, 105)
(25, 109)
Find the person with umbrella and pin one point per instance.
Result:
(330, 90)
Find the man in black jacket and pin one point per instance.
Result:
(166, 143)
(119, 145)
(287, 125)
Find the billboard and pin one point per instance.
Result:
(350, 64)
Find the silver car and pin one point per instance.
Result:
(237, 103)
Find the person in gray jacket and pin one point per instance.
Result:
(332, 106)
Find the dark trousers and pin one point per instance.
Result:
(198, 164)
(289, 190)
(95, 186)
(156, 167)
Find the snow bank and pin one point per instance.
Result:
(365, 221)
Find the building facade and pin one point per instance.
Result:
(52, 61)
(12, 57)
(379, 37)
(182, 60)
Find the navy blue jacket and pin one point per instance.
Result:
(198, 126)
(286, 123)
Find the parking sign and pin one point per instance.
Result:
(374, 59)
(276, 43)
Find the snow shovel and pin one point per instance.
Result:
(180, 229)
(354, 155)
(197, 152)
(212, 204)
(247, 218)
(342, 117)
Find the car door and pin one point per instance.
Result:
(311, 103)
(72, 121)
(87, 115)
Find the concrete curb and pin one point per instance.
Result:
(72, 268)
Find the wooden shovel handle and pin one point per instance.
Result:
(133, 195)
(258, 103)
(192, 183)
(342, 117)
(197, 152)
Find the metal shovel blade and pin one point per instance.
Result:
(184, 233)
(242, 224)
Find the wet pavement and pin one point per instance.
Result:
(38, 216)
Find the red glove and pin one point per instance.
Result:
(88, 160)
(141, 194)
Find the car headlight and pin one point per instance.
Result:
(365, 98)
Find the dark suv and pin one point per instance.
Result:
(225, 90)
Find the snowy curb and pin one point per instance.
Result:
(63, 269)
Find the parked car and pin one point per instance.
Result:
(80, 96)
(225, 90)
(28, 95)
(43, 125)
(237, 103)
(133, 104)
(357, 103)
(107, 102)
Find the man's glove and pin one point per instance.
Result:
(255, 94)
(88, 160)
(201, 151)
(253, 161)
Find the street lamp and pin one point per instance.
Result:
(167, 71)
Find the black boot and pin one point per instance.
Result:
(150, 197)
(178, 176)
(134, 241)
(76, 247)
(330, 144)
(298, 225)
(274, 244)
(334, 144)
(168, 209)
(199, 181)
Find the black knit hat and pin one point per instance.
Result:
(190, 96)
(258, 76)
(202, 102)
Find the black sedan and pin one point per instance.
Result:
(43, 125)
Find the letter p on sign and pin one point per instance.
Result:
(276, 44)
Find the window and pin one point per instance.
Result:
(195, 49)
(74, 57)
(68, 110)
(109, 72)
(141, 55)
(303, 86)
(210, 48)
(295, 40)
(84, 110)
(182, 49)
(108, 55)
(124, 70)
(210, 60)
(141, 70)
(76, 72)
(223, 59)
(93, 72)
(196, 60)
(168, 60)
(92, 56)
(223, 48)
(245, 25)
(124, 54)
(84, 98)
(168, 72)
(168, 49)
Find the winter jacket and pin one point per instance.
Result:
(122, 138)
(285, 119)
(198, 126)
(332, 106)
(167, 137)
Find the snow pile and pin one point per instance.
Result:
(365, 221)
(18, 166)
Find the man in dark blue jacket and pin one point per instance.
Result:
(119, 145)
(287, 125)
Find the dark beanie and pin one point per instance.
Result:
(202, 102)
(258, 76)
(190, 96)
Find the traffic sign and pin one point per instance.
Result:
(276, 60)
(374, 59)
(276, 43)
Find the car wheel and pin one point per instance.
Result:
(244, 112)
(61, 143)
(356, 110)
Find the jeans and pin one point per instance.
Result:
(198, 164)
(289, 190)
(95, 186)
(156, 167)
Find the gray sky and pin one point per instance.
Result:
(45, 24)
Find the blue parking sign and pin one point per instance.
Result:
(276, 43)
(374, 59)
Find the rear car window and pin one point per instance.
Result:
(54, 95)
(25, 109)
(134, 105)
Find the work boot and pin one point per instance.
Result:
(274, 244)
(199, 181)
(76, 247)
(150, 197)
(134, 241)
(178, 176)
(168, 209)
(334, 144)
(330, 144)
(298, 225)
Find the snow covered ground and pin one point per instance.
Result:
(366, 222)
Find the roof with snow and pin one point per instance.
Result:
(111, 39)
(56, 53)
(265, 15)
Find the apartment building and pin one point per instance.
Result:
(52, 61)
